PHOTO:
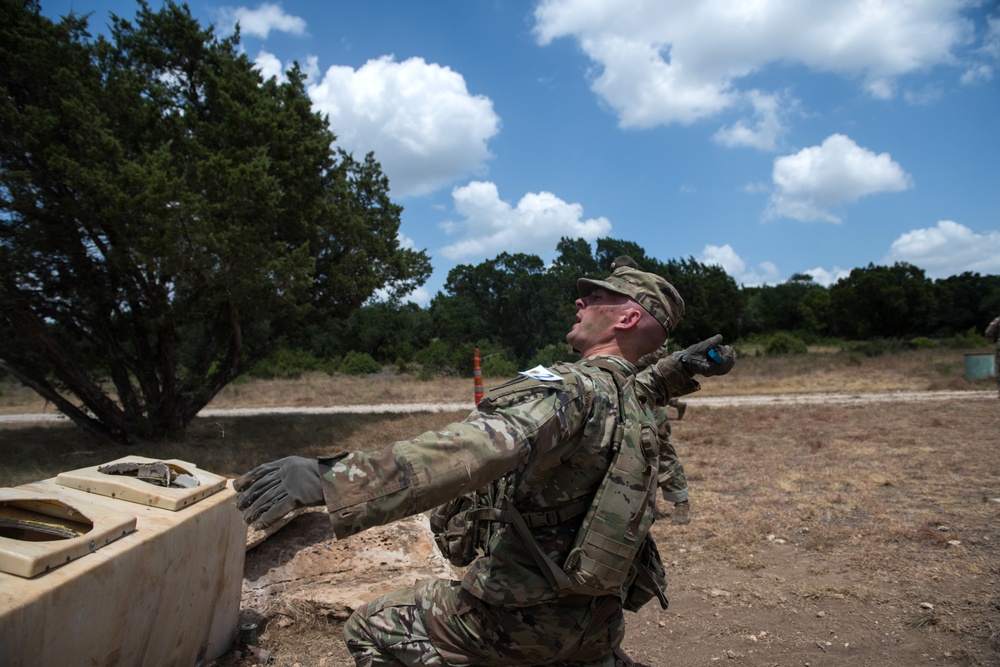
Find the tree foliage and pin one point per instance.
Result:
(166, 216)
(883, 301)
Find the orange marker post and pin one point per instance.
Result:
(477, 373)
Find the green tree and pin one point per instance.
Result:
(776, 307)
(510, 298)
(166, 216)
(388, 330)
(814, 308)
(964, 302)
(883, 302)
(712, 300)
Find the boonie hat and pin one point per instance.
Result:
(652, 292)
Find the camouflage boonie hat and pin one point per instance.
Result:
(649, 290)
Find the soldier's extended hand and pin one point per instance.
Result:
(709, 357)
(272, 490)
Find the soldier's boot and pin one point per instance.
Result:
(681, 409)
(682, 513)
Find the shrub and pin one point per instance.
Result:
(922, 343)
(359, 363)
(969, 340)
(286, 364)
(498, 366)
(552, 354)
(436, 358)
(783, 342)
(876, 347)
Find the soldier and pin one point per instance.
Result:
(993, 333)
(545, 441)
(672, 479)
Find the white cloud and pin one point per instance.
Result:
(989, 54)
(947, 249)
(269, 65)
(826, 278)
(679, 62)
(261, 21)
(814, 180)
(491, 226)
(765, 273)
(419, 118)
(767, 130)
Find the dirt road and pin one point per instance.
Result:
(704, 401)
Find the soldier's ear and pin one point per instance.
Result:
(629, 317)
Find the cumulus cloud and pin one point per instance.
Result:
(826, 277)
(261, 21)
(765, 131)
(765, 273)
(269, 66)
(426, 129)
(490, 225)
(947, 249)
(679, 62)
(814, 180)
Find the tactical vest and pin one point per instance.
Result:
(603, 558)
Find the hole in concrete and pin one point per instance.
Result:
(41, 521)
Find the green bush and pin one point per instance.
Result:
(876, 347)
(922, 343)
(552, 354)
(498, 366)
(783, 342)
(359, 363)
(969, 340)
(287, 364)
(435, 358)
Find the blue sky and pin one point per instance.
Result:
(770, 137)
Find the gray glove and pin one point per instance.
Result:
(272, 490)
(709, 357)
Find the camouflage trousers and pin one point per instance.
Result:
(671, 480)
(436, 623)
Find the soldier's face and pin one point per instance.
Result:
(596, 315)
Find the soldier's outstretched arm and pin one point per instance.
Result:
(674, 375)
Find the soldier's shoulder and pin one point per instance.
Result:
(569, 378)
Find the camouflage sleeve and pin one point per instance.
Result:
(522, 420)
(665, 380)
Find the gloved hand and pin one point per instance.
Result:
(272, 490)
(709, 357)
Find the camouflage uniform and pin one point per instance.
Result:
(555, 436)
(672, 479)
(993, 333)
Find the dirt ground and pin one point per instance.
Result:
(862, 532)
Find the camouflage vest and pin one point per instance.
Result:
(605, 557)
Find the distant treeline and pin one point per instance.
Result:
(517, 311)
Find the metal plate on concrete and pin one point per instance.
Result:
(142, 480)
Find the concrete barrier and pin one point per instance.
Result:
(166, 592)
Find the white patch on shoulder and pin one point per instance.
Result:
(541, 373)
